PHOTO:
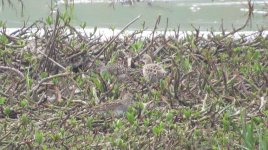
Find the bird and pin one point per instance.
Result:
(120, 68)
(117, 108)
(114, 69)
(122, 73)
(152, 72)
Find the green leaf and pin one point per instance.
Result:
(137, 46)
(24, 103)
(117, 124)
(2, 100)
(186, 64)
(55, 137)
(226, 121)
(257, 120)
(24, 119)
(43, 75)
(83, 25)
(3, 39)
(62, 132)
(158, 129)
(130, 117)
(146, 122)
(72, 121)
(187, 113)
(248, 136)
(55, 81)
(197, 132)
(169, 117)
(89, 122)
(39, 137)
(7, 110)
(97, 83)
(49, 20)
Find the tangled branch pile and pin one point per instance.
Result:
(214, 95)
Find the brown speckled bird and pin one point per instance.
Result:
(117, 108)
(152, 72)
(115, 69)
(119, 70)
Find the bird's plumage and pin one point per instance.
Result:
(118, 107)
(115, 69)
(152, 72)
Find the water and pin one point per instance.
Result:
(199, 13)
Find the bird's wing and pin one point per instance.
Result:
(153, 68)
(114, 69)
(109, 106)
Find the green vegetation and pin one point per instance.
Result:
(214, 96)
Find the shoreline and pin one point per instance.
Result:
(106, 33)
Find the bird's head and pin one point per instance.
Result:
(147, 59)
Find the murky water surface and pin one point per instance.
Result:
(205, 14)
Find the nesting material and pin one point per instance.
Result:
(152, 72)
